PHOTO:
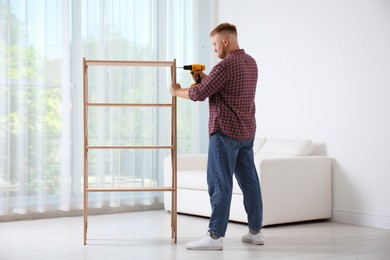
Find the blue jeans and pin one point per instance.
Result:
(227, 156)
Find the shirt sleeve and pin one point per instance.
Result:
(210, 85)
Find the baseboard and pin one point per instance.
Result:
(361, 219)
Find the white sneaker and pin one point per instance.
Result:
(257, 239)
(206, 243)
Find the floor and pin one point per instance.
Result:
(146, 235)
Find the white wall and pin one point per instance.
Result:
(325, 75)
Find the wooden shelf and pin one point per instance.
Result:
(129, 189)
(128, 147)
(126, 105)
(172, 147)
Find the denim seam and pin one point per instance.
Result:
(216, 180)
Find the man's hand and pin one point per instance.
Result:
(177, 91)
(174, 89)
(196, 74)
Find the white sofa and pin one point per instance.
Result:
(296, 185)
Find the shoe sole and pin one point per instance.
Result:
(259, 243)
(205, 248)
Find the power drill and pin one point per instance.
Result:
(193, 68)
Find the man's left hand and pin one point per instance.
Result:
(174, 89)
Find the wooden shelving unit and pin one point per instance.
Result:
(172, 147)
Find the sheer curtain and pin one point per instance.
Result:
(34, 107)
(41, 48)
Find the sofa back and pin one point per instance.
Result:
(273, 147)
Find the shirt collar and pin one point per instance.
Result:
(236, 52)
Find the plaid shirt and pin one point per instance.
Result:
(231, 88)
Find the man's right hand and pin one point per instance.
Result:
(200, 73)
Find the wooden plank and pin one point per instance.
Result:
(128, 147)
(128, 63)
(85, 130)
(127, 105)
(129, 189)
(174, 157)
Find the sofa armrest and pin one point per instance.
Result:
(295, 165)
(296, 188)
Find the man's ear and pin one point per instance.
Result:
(225, 41)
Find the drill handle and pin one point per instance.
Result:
(199, 79)
(196, 76)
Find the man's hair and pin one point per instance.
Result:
(224, 28)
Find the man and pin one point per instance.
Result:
(230, 87)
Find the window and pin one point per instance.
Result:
(41, 48)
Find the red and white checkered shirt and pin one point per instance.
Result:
(231, 89)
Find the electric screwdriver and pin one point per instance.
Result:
(193, 68)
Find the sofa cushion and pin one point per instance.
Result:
(286, 147)
(195, 180)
